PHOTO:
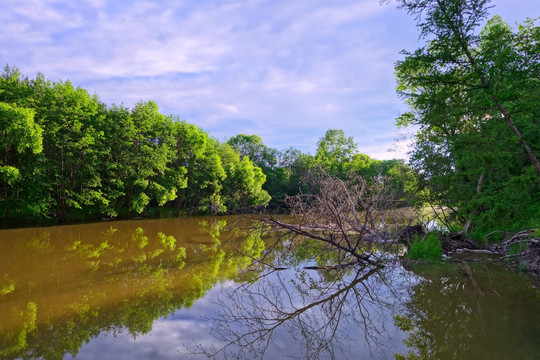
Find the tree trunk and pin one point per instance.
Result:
(485, 82)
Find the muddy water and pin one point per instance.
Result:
(175, 289)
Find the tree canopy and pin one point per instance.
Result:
(474, 96)
(65, 154)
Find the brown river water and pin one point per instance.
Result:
(193, 288)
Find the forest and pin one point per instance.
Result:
(474, 96)
(230, 248)
(67, 156)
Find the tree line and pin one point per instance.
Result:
(473, 95)
(289, 171)
(65, 155)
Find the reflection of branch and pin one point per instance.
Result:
(478, 292)
(248, 321)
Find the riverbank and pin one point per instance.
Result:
(521, 251)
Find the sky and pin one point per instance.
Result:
(284, 70)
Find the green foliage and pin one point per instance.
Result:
(20, 136)
(517, 248)
(18, 129)
(425, 248)
(199, 154)
(65, 155)
(243, 183)
(286, 171)
(474, 98)
(252, 147)
(334, 150)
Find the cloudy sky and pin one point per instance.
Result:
(284, 70)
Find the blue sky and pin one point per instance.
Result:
(284, 70)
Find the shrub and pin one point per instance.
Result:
(428, 248)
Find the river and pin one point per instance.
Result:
(192, 288)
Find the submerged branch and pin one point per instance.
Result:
(347, 218)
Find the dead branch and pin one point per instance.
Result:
(347, 216)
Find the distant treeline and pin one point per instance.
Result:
(66, 155)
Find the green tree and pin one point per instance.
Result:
(475, 99)
(272, 162)
(253, 147)
(199, 154)
(69, 161)
(22, 139)
(151, 155)
(242, 187)
(98, 160)
(116, 170)
(334, 150)
(140, 166)
(18, 134)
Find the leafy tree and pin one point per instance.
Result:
(140, 158)
(119, 132)
(63, 175)
(242, 187)
(69, 161)
(18, 134)
(150, 156)
(199, 154)
(253, 147)
(295, 166)
(334, 150)
(275, 165)
(64, 155)
(475, 99)
(22, 137)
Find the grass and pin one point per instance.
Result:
(426, 248)
(517, 248)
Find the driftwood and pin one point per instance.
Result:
(526, 256)
(407, 235)
(458, 241)
(350, 217)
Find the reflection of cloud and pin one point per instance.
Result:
(164, 342)
(169, 338)
(174, 336)
(294, 69)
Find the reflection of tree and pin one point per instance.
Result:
(464, 313)
(118, 280)
(15, 340)
(316, 314)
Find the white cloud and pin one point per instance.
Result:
(284, 70)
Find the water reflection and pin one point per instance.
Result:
(325, 314)
(470, 311)
(447, 311)
(63, 286)
(147, 290)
